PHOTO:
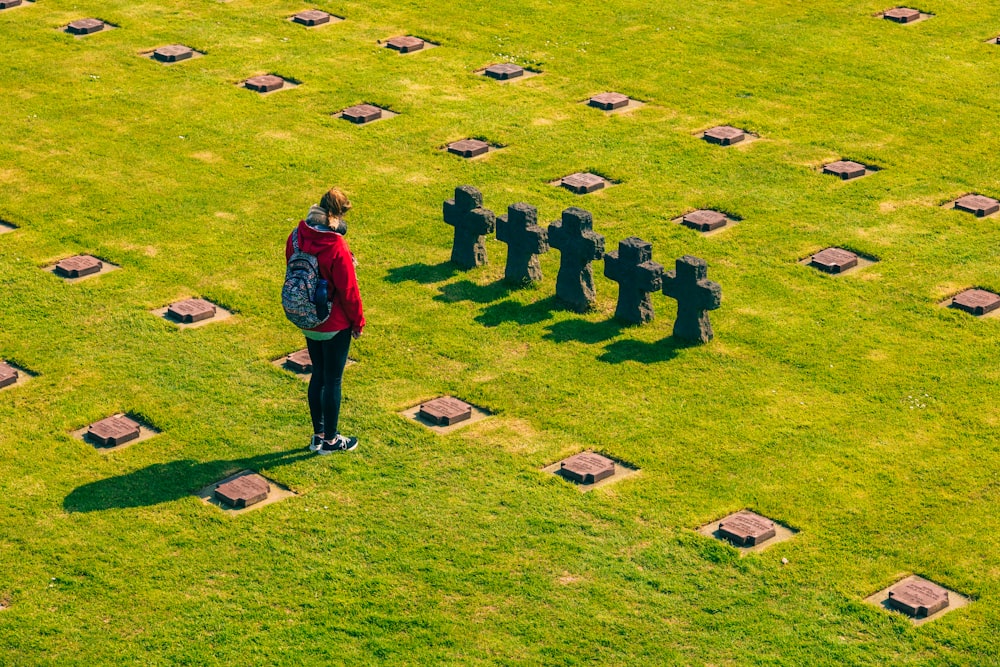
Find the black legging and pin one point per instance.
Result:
(329, 357)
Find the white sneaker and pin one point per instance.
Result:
(315, 443)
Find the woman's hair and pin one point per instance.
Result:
(335, 203)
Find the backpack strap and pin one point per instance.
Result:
(295, 239)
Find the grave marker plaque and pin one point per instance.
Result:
(587, 468)
(191, 310)
(525, 241)
(978, 205)
(633, 268)
(746, 529)
(7, 4)
(504, 71)
(834, 260)
(79, 266)
(472, 222)
(445, 411)
(311, 17)
(113, 431)
(300, 361)
(845, 169)
(976, 301)
(173, 53)
(609, 101)
(578, 245)
(901, 15)
(85, 27)
(8, 375)
(696, 295)
(405, 44)
(266, 83)
(704, 220)
(724, 135)
(582, 183)
(468, 148)
(361, 113)
(243, 491)
(918, 598)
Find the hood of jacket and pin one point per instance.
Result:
(316, 235)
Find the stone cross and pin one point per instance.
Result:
(631, 266)
(579, 245)
(525, 241)
(695, 297)
(471, 222)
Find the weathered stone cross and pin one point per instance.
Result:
(631, 266)
(695, 297)
(525, 241)
(579, 245)
(471, 222)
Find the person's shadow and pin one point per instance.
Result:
(164, 482)
(425, 274)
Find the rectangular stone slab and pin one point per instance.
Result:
(582, 183)
(311, 17)
(978, 205)
(704, 220)
(405, 44)
(85, 26)
(845, 169)
(724, 135)
(7, 4)
(504, 71)
(445, 411)
(976, 301)
(469, 148)
(173, 53)
(902, 15)
(918, 598)
(79, 266)
(113, 431)
(362, 113)
(8, 375)
(266, 83)
(587, 468)
(834, 260)
(746, 529)
(609, 101)
(191, 310)
(300, 361)
(243, 491)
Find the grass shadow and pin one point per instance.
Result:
(583, 331)
(425, 274)
(466, 290)
(513, 311)
(166, 482)
(643, 352)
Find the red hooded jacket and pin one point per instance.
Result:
(336, 265)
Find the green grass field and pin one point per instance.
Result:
(852, 408)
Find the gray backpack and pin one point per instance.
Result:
(298, 295)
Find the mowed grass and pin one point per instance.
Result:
(853, 408)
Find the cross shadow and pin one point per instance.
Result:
(466, 290)
(512, 311)
(165, 482)
(583, 331)
(643, 352)
(425, 274)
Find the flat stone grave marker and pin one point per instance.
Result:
(78, 267)
(7, 227)
(300, 363)
(12, 375)
(919, 599)
(472, 223)
(588, 470)
(846, 170)
(116, 431)
(705, 220)
(173, 53)
(193, 313)
(313, 18)
(978, 205)
(408, 44)
(243, 491)
(362, 114)
(469, 148)
(445, 414)
(613, 102)
(265, 84)
(578, 245)
(747, 531)
(905, 15)
(633, 268)
(84, 27)
(582, 183)
(11, 4)
(837, 261)
(504, 71)
(727, 135)
(976, 302)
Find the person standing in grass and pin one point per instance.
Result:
(322, 234)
